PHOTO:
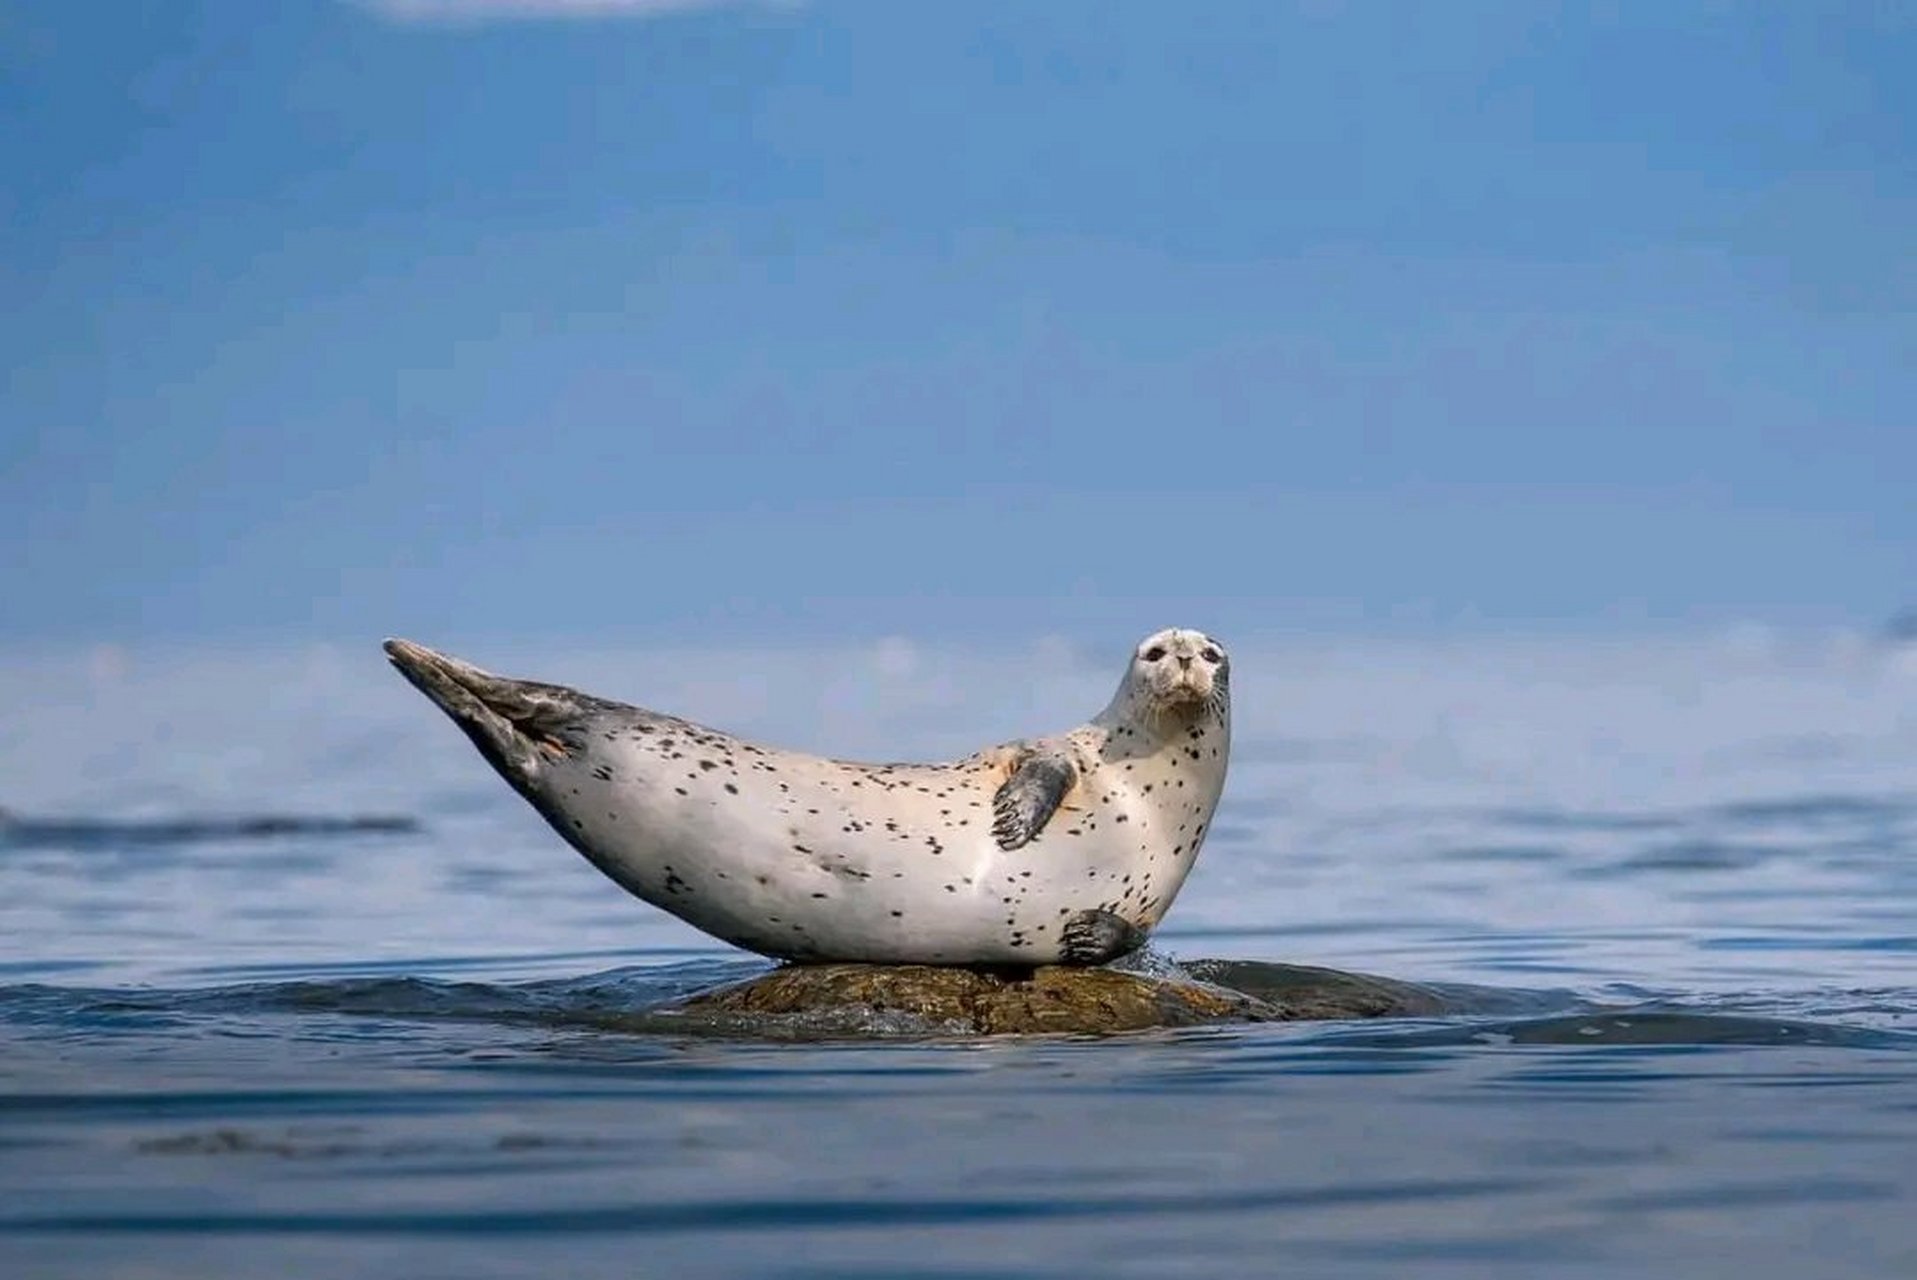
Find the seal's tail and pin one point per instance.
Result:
(516, 724)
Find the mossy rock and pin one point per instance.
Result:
(863, 999)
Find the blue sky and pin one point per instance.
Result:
(451, 317)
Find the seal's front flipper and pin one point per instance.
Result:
(1027, 800)
(1095, 937)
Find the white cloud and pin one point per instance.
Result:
(466, 12)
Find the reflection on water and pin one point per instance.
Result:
(1665, 892)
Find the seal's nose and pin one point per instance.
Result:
(1184, 661)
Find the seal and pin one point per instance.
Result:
(1061, 849)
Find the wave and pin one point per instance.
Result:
(644, 1000)
(17, 832)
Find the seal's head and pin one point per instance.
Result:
(1176, 669)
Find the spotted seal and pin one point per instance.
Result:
(1063, 849)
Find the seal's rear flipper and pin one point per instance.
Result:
(516, 724)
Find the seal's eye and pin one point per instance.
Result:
(1155, 654)
(1211, 655)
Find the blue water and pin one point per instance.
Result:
(1681, 874)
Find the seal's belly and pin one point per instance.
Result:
(800, 858)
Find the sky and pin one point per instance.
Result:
(451, 318)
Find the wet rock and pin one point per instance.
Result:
(1305, 992)
(920, 999)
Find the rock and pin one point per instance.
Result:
(828, 999)
(1306, 993)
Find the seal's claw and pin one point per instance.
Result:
(1098, 937)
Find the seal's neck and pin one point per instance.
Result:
(1154, 719)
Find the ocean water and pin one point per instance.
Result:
(1682, 870)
